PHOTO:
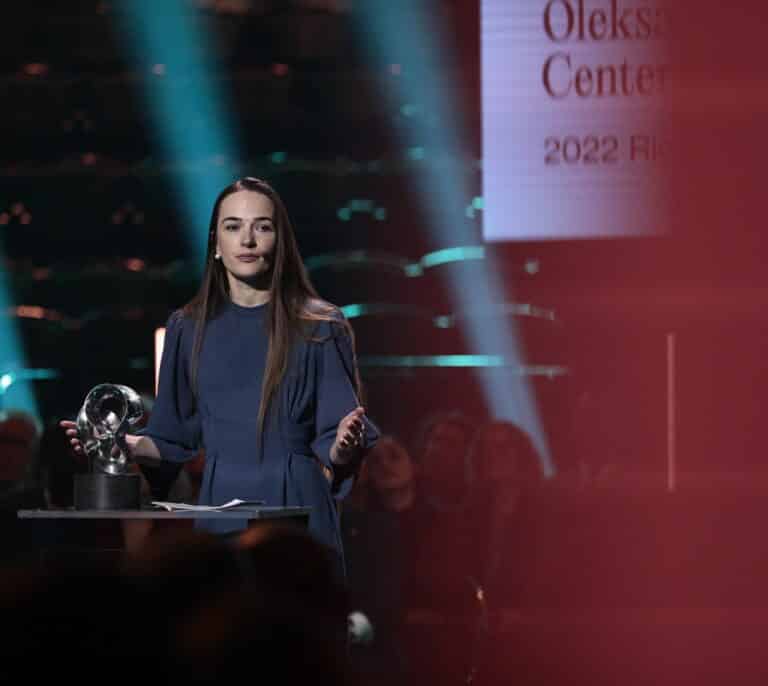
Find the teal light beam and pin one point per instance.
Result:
(188, 115)
(478, 361)
(16, 391)
(340, 260)
(407, 34)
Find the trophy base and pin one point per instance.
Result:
(107, 491)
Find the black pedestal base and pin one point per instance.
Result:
(107, 491)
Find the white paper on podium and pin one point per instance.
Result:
(205, 508)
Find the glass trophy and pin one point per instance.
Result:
(109, 412)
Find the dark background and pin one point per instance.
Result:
(79, 146)
(620, 569)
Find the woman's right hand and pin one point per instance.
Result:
(136, 446)
(70, 429)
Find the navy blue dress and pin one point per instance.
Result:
(316, 393)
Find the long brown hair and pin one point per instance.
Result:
(294, 305)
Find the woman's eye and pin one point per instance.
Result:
(230, 227)
(265, 227)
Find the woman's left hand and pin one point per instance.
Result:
(350, 437)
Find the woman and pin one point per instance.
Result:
(444, 472)
(387, 479)
(259, 372)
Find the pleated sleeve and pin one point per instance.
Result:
(174, 424)
(335, 397)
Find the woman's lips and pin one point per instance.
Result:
(249, 258)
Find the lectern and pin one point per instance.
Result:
(96, 538)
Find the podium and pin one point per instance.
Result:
(100, 533)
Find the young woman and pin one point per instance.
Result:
(260, 373)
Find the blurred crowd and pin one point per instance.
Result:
(450, 533)
(422, 529)
(201, 607)
(430, 530)
(267, 603)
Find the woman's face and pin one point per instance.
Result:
(390, 466)
(444, 453)
(245, 235)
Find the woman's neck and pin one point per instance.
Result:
(246, 294)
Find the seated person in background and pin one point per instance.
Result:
(437, 533)
(19, 434)
(438, 566)
(442, 460)
(21, 484)
(373, 530)
(504, 465)
(386, 481)
(507, 476)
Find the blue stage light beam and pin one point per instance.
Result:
(403, 42)
(188, 113)
(16, 391)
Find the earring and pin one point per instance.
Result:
(217, 256)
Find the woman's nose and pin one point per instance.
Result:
(248, 236)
